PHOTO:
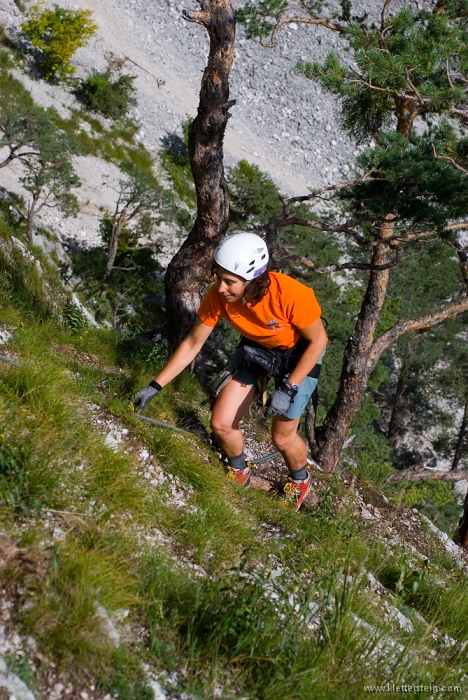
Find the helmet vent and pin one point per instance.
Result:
(252, 262)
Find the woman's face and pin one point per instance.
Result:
(230, 286)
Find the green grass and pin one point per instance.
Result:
(211, 597)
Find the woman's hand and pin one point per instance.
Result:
(280, 401)
(144, 397)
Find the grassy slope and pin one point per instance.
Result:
(226, 589)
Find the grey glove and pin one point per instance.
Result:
(146, 395)
(280, 401)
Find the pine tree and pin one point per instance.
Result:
(409, 187)
(32, 137)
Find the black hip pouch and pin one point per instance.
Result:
(275, 363)
(268, 360)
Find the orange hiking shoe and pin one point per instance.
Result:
(241, 476)
(295, 492)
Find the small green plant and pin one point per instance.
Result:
(22, 668)
(404, 577)
(14, 480)
(157, 356)
(111, 98)
(440, 493)
(57, 33)
(73, 317)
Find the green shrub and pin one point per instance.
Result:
(435, 499)
(73, 317)
(111, 98)
(58, 33)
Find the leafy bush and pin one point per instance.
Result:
(73, 317)
(58, 33)
(439, 492)
(111, 98)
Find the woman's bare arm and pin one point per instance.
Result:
(185, 353)
(317, 337)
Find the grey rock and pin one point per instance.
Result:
(13, 684)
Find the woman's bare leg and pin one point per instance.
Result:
(292, 447)
(231, 406)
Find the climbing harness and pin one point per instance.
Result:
(218, 385)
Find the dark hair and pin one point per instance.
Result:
(256, 288)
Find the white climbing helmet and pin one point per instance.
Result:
(244, 254)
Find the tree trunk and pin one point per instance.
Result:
(356, 364)
(32, 210)
(189, 270)
(117, 227)
(461, 533)
(395, 423)
(461, 441)
(407, 108)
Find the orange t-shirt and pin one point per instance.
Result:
(275, 321)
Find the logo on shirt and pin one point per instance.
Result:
(272, 322)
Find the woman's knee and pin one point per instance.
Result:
(222, 426)
(283, 438)
(281, 441)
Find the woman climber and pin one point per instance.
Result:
(282, 336)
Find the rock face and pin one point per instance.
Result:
(282, 122)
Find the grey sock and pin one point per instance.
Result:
(299, 474)
(238, 463)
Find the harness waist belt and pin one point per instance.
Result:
(275, 362)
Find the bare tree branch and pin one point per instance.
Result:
(449, 77)
(450, 160)
(421, 473)
(383, 16)
(288, 219)
(291, 259)
(331, 188)
(19, 156)
(320, 226)
(198, 17)
(313, 19)
(415, 324)
(463, 113)
(361, 81)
